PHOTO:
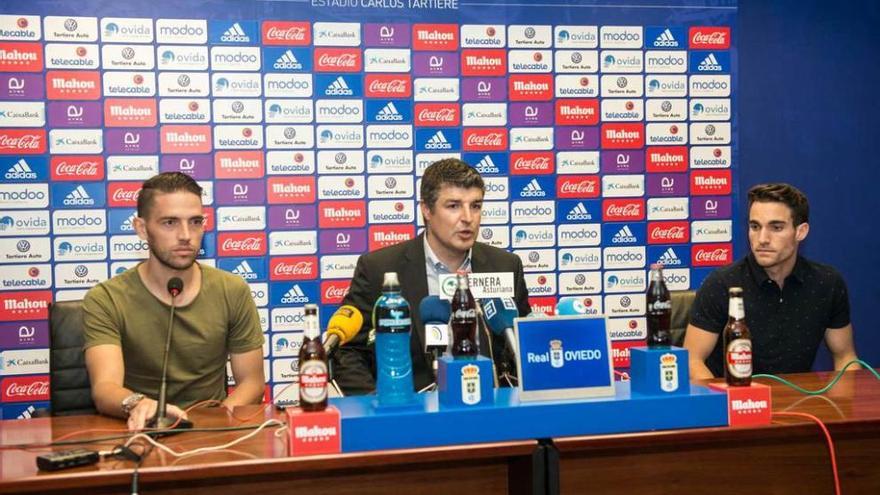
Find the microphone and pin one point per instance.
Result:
(500, 313)
(161, 419)
(345, 323)
(571, 305)
(434, 313)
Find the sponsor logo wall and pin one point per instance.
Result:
(605, 148)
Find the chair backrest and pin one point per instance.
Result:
(69, 387)
(681, 308)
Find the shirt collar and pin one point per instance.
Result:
(759, 275)
(439, 265)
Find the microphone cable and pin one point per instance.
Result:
(827, 387)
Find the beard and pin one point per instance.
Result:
(168, 259)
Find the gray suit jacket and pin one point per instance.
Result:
(355, 362)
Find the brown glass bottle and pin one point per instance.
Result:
(312, 364)
(737, 343)
(659, 309)
(463, 320)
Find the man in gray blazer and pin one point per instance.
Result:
(451, 202)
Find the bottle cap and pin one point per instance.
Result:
(656, 266)
(390, 279)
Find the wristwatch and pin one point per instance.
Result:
(130, 402)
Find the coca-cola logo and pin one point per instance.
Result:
(35, 389)
(388, 86)
(720, 254)
(334, 291)
(286, 33)
(289, 34)
(440, 115)
(577, 187)
(670, 233)
(492, 139)
(301, 268)
(340, 59)
(712, 254)
(714, 37)
(247, 244)
(623, 210)
(126, 196)
(26, 142)
(81, 169)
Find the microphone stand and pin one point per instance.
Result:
(161, 421)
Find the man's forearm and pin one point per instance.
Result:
(842, 360)
(249, 391)
(108, 398)
(699, 370)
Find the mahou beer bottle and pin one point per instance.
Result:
(737, 343)
(463, 319)
(659, 309)
(312, 365)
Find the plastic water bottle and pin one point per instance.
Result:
(391, 319)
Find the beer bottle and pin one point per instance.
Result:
(659, 309)
(463, 319)
(312, 364)
(737, 343)
(393, 324)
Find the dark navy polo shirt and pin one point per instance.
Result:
(787, 325)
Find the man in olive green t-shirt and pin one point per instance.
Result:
(126, 317)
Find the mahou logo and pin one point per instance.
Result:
(530, 87)
(438, 114)
(483, 62)
(623, 210)
(709, 38)
(338, 60)
(710, 182)
(22, 141)
(282, 190)
(241, 244)
(577, 112)
(123, 194)
(238, 165)
(532, 163)
(712, 254)
(25, 389)
(338, 214)
(77, 168)
(334, 291)
(130, 112)
(485, 139)
(186, 139)
(578, 186)
(293, 268)
(388, 86)
(666, 159)
(543, 305)
(21, 57)
(287, 33)
(381, 236)
(440, 37)
(30, 305)
(668, 232)
(623, 136)
(73, 85)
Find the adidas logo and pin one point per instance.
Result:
(128, 224)
(78, 197)
(245, 271)
(669, 258)
(533, 190)
(27, 413)
(338, 88)
(579, 212)
(624, 236)
(294, 296)
(20, 170)
(487, 166)
(666, 39)
(287, 61)
(709, 64)
(389, 113)
(438, 142)
(235, 34)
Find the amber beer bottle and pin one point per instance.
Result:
(737, 343)
(463, 319)
(312, 364)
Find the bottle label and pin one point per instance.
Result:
(668, 372)
(470, 384)
(395, 322)
(739, 358)
(311, 327)
(736, 308)
(464, 314)
(313, 381)
(659, 306)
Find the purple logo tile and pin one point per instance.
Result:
(22, 87)
(131, 141)
(439, 64)
(199, 167)
(24, 334)
(526, 114)
(240, 192)
(342, 241)
(710, 207)
(577, 138)
(483, 89)
(387, 35)
(293, 217)
(667, 184)
(75, 114)
(623, 162)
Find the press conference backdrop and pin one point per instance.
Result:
(606, 136)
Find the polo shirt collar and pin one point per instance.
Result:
(759, 275)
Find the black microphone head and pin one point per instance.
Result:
(175, 286)
(432, 309)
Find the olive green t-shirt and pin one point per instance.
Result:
(222, 319)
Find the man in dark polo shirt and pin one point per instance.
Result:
(791, 303)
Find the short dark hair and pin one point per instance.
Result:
(782, 193)
(448, 172)
(166, 182)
